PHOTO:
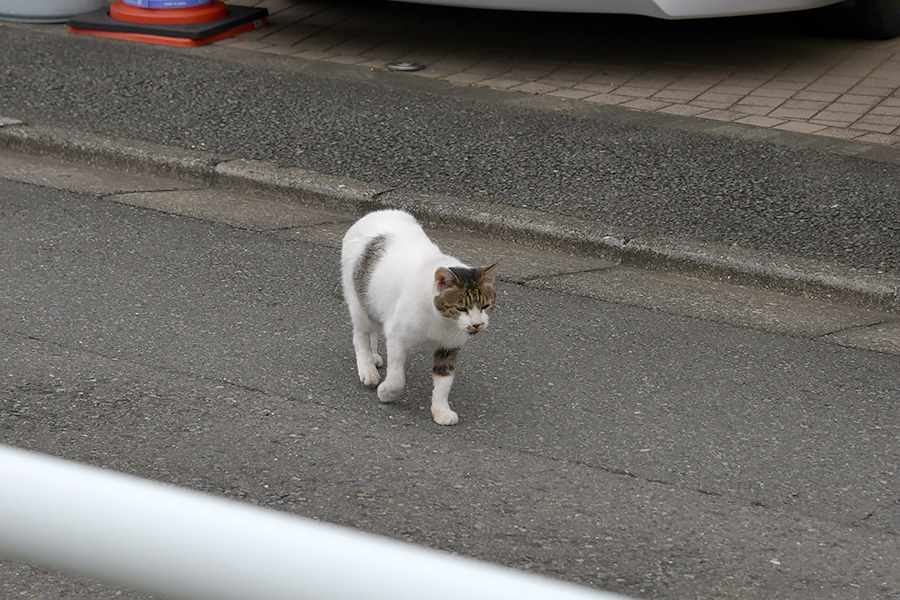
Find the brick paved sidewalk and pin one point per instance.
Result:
(761, 71)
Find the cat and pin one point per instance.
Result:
(397, 281)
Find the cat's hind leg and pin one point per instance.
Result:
(373, 342)
(366, 365)
(395, 380)
(365, 338)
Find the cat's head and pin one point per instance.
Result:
(465, 294)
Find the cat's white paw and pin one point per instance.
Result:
(386, 394)
(447, 417)
(369, 376)
(378, 360)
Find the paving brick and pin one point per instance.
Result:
(880, 139)
(732, 90)
(646, 104)
(454, 64)
(281, 50)
(711, 105)
(816, 96)
(651, 81)
(859, 99)
(311, 54)
(883, 80)
(494, 68)
(597, 88)
(750, 110)
(573, 73)
(245, 44)
(765, 101)
(785, 85)
(837, 116)
(533, 88)
(803, 105)
(887, 111)
(500, 83)
(843, 80)
(608, 99)
(683, 110)
(429, 72)
(720, 115)
(800, 127)
(825, 123)
(344, 59)
(767, 91)
(727, 99)
(609, 78)
(867, 90)
(841, 133)
(747, 80)
(760, 121)
(836, 88)
(693, 85)
(793, 113)
(856, 109)
(465, 78)
(571, 93)
(884, 119)
(674, 95)
(634, 92)
(873, 127)
(885, 124)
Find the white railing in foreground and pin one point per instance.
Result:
(183, 544)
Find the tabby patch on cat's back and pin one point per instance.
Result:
(396, 281)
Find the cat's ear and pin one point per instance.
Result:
(488, 273)
(444, 278)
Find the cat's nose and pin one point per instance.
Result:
(475, 327)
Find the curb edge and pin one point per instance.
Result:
(789, 275)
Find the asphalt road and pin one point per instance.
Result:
(637, 450)
(638, 173)
(646, 453)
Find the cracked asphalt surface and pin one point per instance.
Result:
(651, 454)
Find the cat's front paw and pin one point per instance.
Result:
(369, 376)
(447, 417)
(386, 394)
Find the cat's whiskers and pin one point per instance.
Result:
(459, 332)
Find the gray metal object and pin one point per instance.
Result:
(183, 544)
(405, 65)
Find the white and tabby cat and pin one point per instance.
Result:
(396, 280)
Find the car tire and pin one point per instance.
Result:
(872, 19)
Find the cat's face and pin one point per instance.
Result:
(466, 295)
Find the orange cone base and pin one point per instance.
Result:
(162, 40)
(173, 27)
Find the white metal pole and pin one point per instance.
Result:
(183, 544)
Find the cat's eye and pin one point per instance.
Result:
(462, 309)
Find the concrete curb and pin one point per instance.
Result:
(791, 275)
